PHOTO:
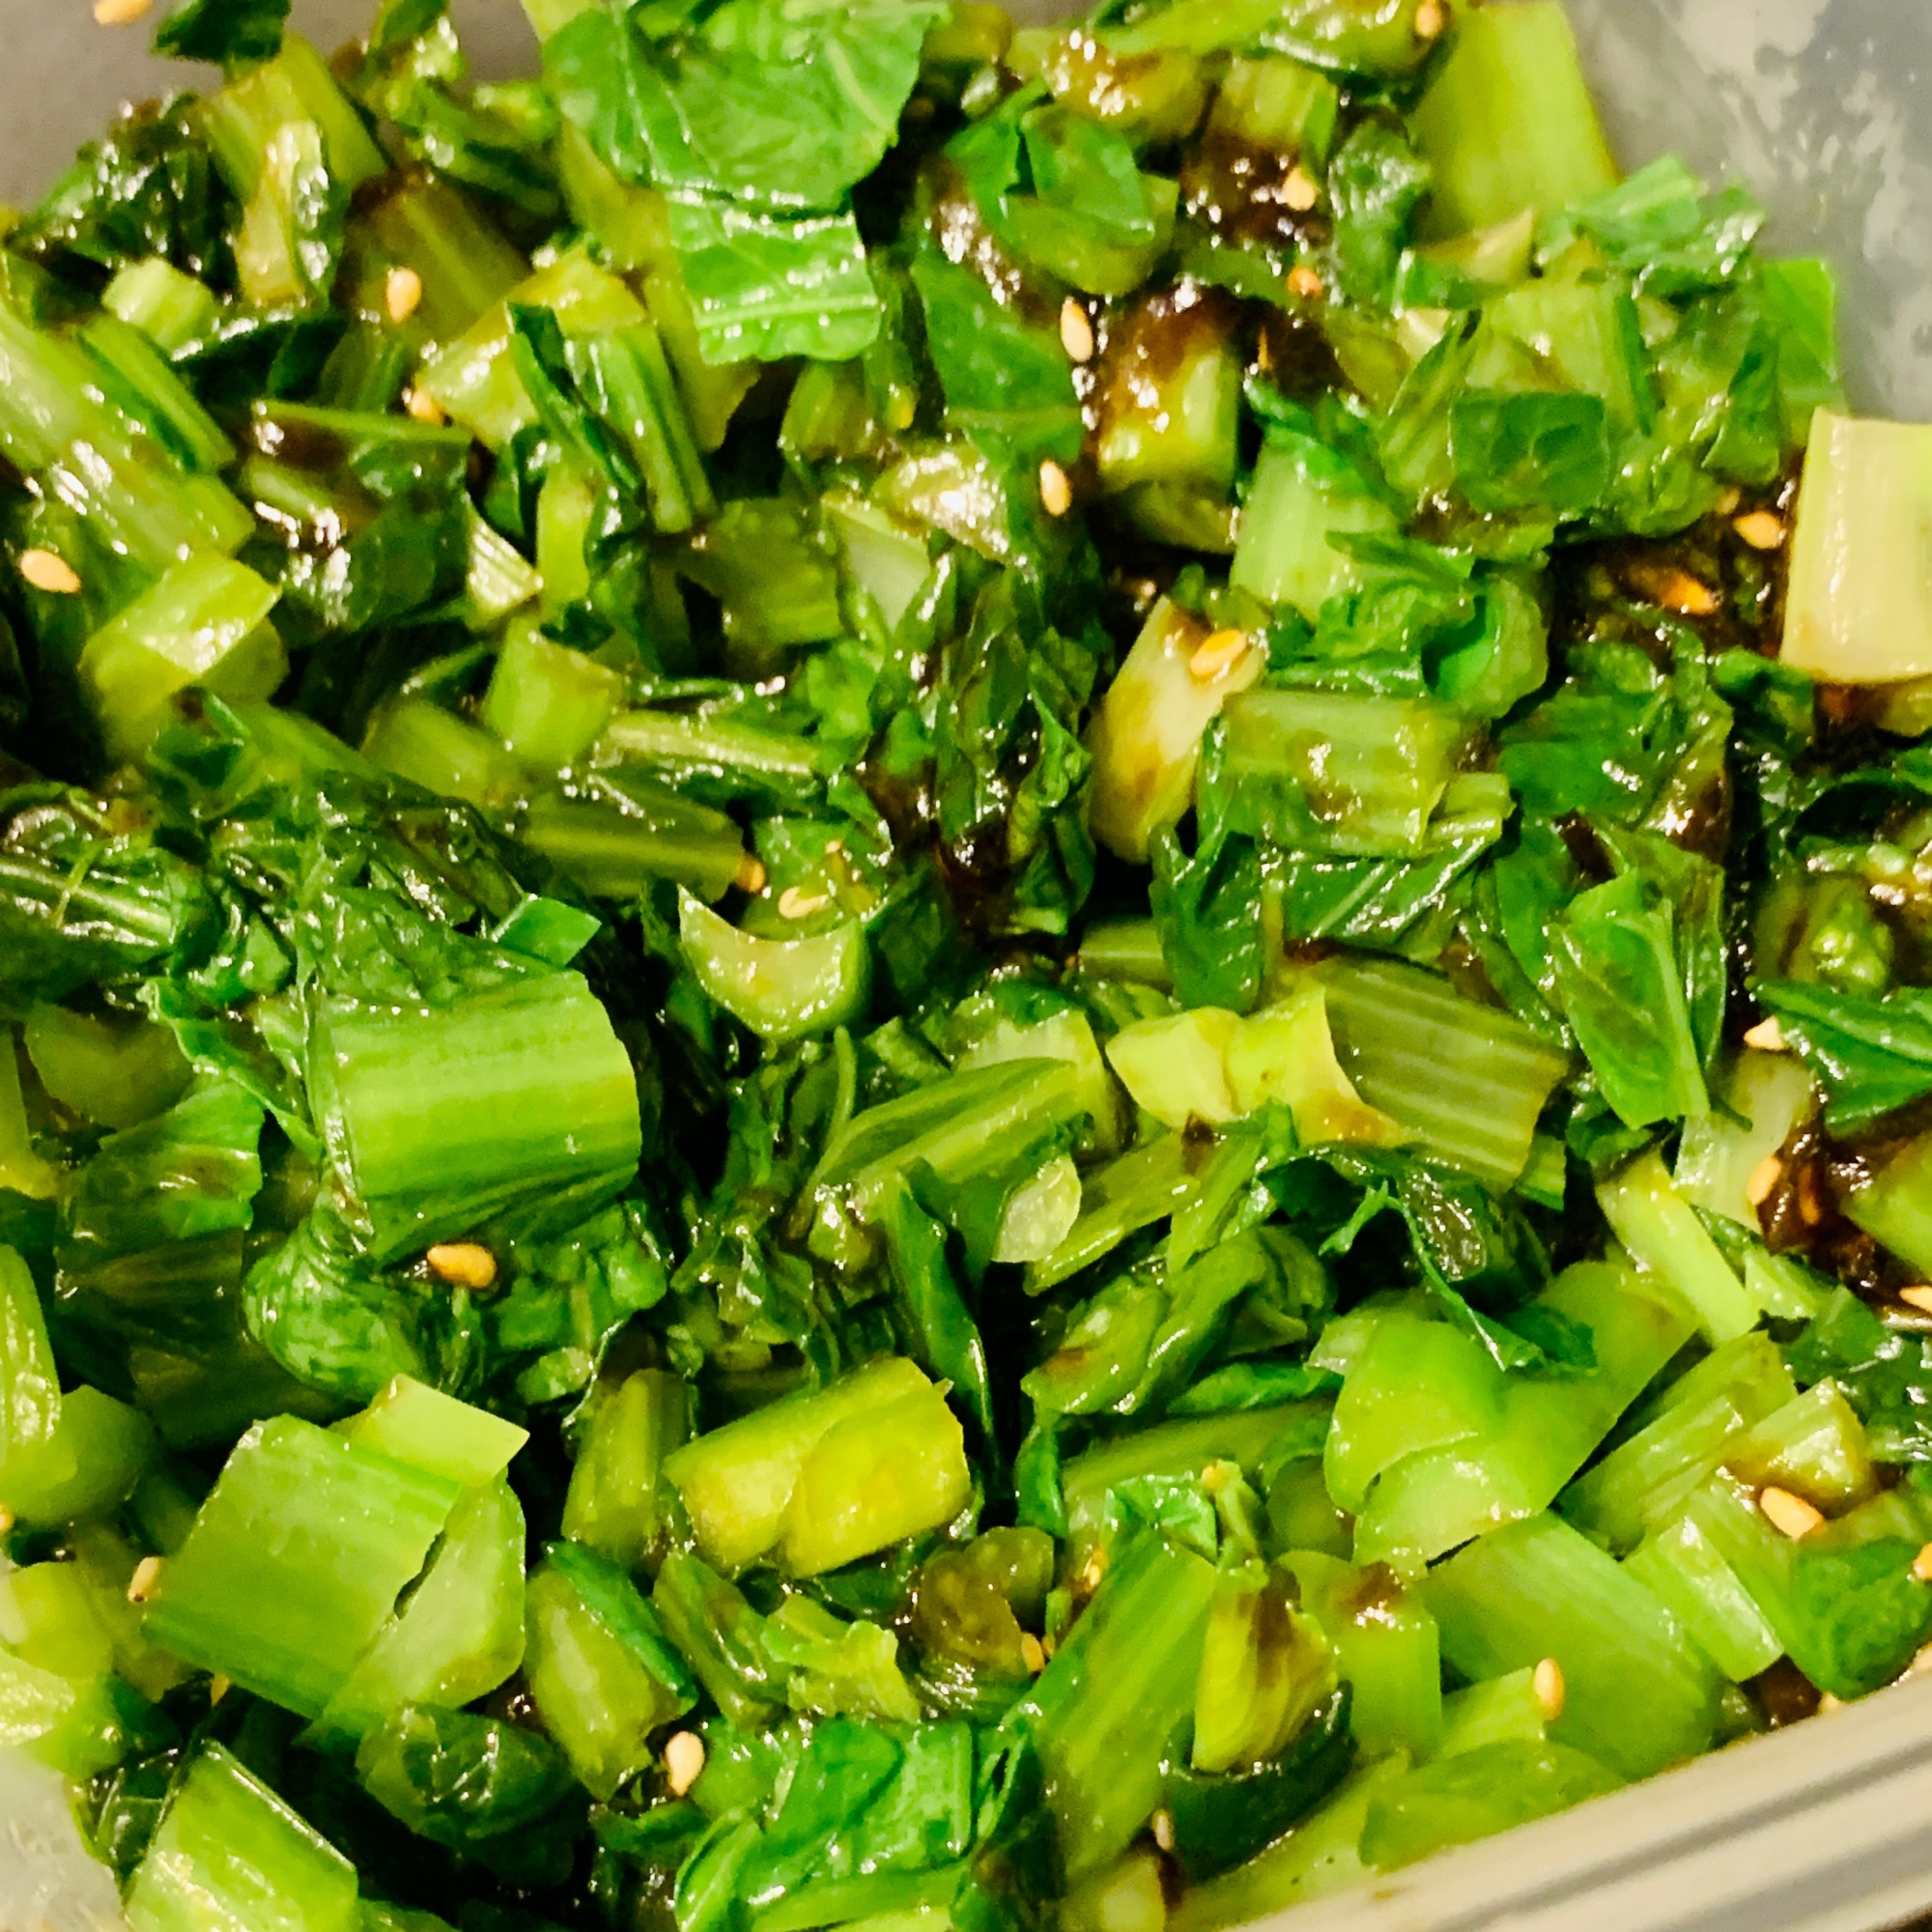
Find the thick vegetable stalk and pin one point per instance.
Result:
(548, 702)
(30, 1391)
(839, 1666)
(116, 1075)
(1508, 122)
(435, 1432)
(141, 511)
(58, 1681)
(140, 382)
(1304, 495)
(599, 1667)
(780, 988)
(614, 835)
(1682, 1569)
(1212, 1067)
(720, 1636)
(474, 378)
(1352, 776)
(1101, 1715)
(23, 1169)
(1146, 731)
(1643, 1480)
(296, 1561)
(168, 306)
(1474, 1477)
(974, 1123)
(229, 1852)
(1264, 1669)
(459, 1635)
(1638, 1695)
(441, 1117)
(1467, 1080)
(1475, 1794)
(615, 1504)
(205, 622)
(825, 1478)
(629, 380)
(1665, 1237)
(1118, 1200)
(62, 1457)
(1845, 1601)
(1892, 1206)
(293, 149)
(1244, 1437)
(1386, 1648)
(1858, 611)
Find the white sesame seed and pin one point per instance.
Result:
(1762, 529)
(1076, 330)
(1298, 190)
(751, 875)
(147, 1574)
(1768, 1037)
(1032, 1652)
(424, 407)
(48, 572)
(1547, 1680)
(683, 1761)
(1163, 1829)
(1056, 491)
(1688, 596)
(1922, 1565)
(795, 902)
(1305, 285)
(1764, 1177)
(1918, 1296)
(463, 1264)
(1430, 20)
(119, 12)
(1221, 653)
(1790, 1515)
(402, 294)
(1811, 1202)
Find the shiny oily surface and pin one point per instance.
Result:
(1818, 104)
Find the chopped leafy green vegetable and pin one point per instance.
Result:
(925, 987)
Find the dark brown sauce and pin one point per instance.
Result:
(1585, 849)
(1239, 190)
(1293, 353)
(1801, 1214)
(1784, 1694)
(1377, 1597)
(301, 445)
(1146, 346)
(1745, 587)
(1701, 823)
